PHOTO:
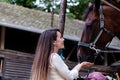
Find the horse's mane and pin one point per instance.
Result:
(88, 10)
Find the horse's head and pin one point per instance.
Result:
(93, 35)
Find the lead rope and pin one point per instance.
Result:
(104, 51)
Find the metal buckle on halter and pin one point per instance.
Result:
(92, 46)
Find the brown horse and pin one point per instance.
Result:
(102, 23)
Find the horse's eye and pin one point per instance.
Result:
(89, 22)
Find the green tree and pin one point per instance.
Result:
(78, 11)
(25, 3)
(5, 1)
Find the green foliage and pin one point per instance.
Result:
(70, 15)
(25, 3)
(79, 10)
(4, 1)
(56, 10)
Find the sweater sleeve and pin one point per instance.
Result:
(63, 69)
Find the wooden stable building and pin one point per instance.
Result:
(20, 29)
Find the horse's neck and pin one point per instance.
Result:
(112, 19)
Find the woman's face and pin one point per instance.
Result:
(59, 43)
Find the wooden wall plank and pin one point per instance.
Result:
(17, 64)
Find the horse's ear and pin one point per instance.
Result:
(90, 4)
(96, 7)
(97, 4)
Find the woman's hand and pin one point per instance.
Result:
(86, 64)
(83, 65)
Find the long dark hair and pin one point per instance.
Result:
(42, 54)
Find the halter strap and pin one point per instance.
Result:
(101, 24)
(101, 17)
(83, 44)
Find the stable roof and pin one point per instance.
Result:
(36, 21)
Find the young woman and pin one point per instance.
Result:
(47, 64)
